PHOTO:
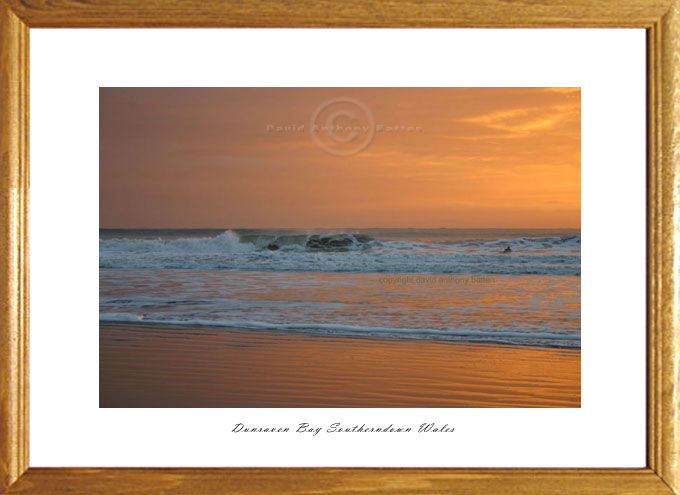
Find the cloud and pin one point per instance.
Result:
(522, 121)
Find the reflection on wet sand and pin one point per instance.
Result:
(145, 365)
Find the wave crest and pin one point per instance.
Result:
(344, 251)
(231, 242)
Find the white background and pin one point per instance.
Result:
(68, 67)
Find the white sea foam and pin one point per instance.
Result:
(565, 340)
(227, 242)
(345, 252)
(340, 283)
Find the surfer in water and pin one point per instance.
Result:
(507, 249)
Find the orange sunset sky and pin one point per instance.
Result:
(208, 157)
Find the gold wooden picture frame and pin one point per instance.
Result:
(660, 19)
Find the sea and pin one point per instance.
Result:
(519, 287)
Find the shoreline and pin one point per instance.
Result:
(155, 365)
(389, 334)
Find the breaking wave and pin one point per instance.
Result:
(345, 252)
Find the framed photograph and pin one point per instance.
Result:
(339, 260)
(303, 302)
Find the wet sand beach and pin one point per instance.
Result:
(152, 365)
